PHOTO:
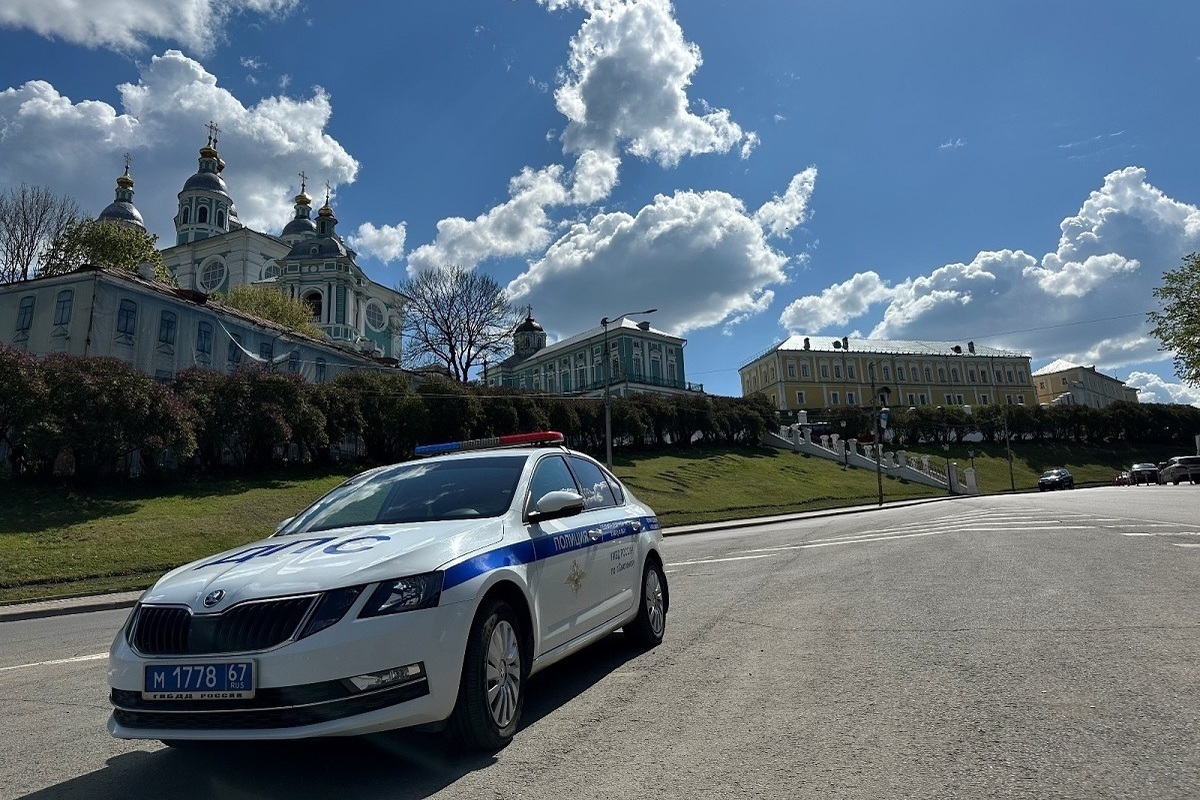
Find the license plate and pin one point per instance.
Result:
(227, 680)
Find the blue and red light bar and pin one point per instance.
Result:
(511, 440)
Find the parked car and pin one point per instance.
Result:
(1056, 479)
(1181, 468)
(1146, 473)
(422, 593)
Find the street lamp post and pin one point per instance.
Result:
(604, 323)
(1012, 482)
(880, 397)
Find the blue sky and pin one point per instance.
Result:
(1014, 172)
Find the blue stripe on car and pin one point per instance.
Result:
(542, 547)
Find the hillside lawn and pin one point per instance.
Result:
(57, 541)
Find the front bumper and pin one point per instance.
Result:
(302, 689)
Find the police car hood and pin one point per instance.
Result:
(319, 560)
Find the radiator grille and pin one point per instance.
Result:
(175, 631)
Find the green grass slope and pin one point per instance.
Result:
(58, 542)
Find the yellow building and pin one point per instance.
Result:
(810, 372)
(1063, 383)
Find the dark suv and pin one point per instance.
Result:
(1146, 473)
(1181, 468)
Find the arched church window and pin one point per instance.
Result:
(187, 215)
(202, 215)
(375, 316)
(313, 300)
(220, 219)
(272, 271)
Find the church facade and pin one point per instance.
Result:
(163, 329)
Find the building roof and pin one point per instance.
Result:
(1058, 365)
(823, 343)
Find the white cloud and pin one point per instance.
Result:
(514, 228)
(385, 242)
(780, 214)
(127, 26)
(52, 141)
(837, 305)
(952, 144)
(698, 256)
(626, 83)
(1085, 301)
(1153, 389)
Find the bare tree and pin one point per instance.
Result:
(31, 217)
(457, 318)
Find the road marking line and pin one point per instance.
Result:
(74, 660)
(1187, 544)
(715, 560)
(1165, 533)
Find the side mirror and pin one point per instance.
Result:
(555, 505)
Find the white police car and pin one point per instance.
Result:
(414, 594)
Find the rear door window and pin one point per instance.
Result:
(592, 484)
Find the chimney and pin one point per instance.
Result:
(644, 325)
(845, 343)
(971, 347)
(145, 270)
(807, 345)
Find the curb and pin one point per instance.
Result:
(42, 609)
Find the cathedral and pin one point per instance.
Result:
(163, 329)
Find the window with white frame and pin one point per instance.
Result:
(825, 371)
(204, 333)
(791, 369)
(62, 307)
(799, 398)
(834, 399)
(849, 398)
(126, 320)
(166, 330)
(804, 371)
(25, 316)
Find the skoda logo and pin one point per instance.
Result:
(213, 597)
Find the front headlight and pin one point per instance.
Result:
(404, 594)
(331, 609)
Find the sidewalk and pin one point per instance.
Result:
(105, 602)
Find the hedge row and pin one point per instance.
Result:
(90, 416)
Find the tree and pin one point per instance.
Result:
(269, 303)
(31, 218)
(457, 318)
(104, 244)
(1177, 325)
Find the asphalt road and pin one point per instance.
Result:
(1040, 646)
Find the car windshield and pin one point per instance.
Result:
(1052, 473)
(420, 491)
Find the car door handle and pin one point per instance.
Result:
(636, 526)
(595, 534)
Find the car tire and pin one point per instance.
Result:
(491, 693)
(650, 624)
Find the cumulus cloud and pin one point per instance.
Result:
(385, 242)
(626, 83)
(623, 91)
(780, 214)
(50, 140)
(1153, 389)
(1085, 301)
(518, 226)
(836, 305)
(127, 26)
(700, 249)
